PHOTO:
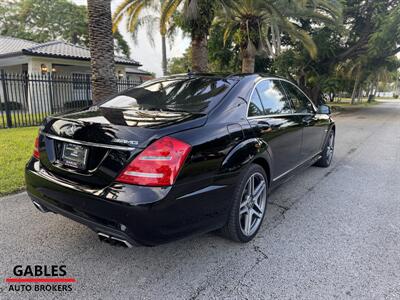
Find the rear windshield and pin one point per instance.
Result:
(188, 94)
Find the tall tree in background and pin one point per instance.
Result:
(46, 20)
(101, 49)
(368, 39)
(134, 11)
(197, 19)
(260, 26)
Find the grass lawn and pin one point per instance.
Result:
(16, 146)
(359, 104)
(345, 105)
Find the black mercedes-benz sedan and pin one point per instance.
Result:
(177, 156)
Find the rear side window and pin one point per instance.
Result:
(186, 94)
(301, 104)
(273, 98)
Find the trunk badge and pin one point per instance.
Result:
(126, 142)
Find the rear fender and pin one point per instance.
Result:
(244, 153)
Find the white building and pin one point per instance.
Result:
(22, 56)
(35, 94)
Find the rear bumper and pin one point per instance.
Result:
(139, 215)
(46, 206)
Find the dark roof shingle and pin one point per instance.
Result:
(11, 46)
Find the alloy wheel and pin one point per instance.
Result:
(330, 147)
(253, 203)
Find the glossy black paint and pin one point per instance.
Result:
(224, 142)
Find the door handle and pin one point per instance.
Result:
(264, 126)
(308, 121)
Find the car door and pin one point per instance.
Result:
(314, 126)
(271, 116)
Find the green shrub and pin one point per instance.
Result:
(12, 105)
(77, 104)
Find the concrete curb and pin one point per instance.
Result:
(19, 193)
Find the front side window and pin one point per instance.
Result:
(301, 104)
(273, 98)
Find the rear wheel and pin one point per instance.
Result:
(327, 153)
(249, 206)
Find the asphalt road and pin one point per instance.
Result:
(329, 233)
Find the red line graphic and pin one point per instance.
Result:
(37, 280)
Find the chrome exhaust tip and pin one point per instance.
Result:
(40, 207)
(124, 242)
(113, 240)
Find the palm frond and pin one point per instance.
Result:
(120, 11)
(149, 22)
(332, 7)
(134, 13)
(230, 28)
(191, 10)
(304, 38)
(167, 10)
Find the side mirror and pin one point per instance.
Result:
(324, 109)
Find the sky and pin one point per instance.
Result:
(142, 51)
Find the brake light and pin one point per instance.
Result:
(158, 165)
(36, 148)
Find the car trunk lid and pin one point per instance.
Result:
(93, 146)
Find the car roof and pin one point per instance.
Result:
(237, 76)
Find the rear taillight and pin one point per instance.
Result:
(158, 165)
(36, 148)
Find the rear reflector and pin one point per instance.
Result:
(36, 148)
(158, 165)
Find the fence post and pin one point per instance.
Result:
(88, 89)
(50, 81)
(6, 107)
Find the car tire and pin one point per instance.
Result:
(327, 153)
(249, 205)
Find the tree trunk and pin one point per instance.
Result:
(248, 62)
(376, 88)
(270, 50)
(164, 55)
(199, 53)
(332, 96)
(278, 41)
(360, 94)
(355, 90)
(368, 91)
(302, 80)
(101, 44)
(248, 57)
(316, 95)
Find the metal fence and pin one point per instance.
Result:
(26, 99)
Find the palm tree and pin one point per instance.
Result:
(133, 10)
(371, 71)
(260, 23)
(197, 19)
(101, 45)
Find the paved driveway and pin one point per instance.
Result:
(329, 233)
